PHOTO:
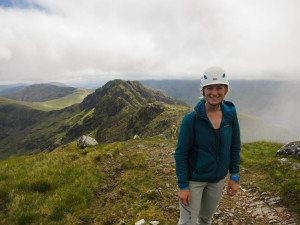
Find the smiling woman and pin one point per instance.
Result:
(208, 147)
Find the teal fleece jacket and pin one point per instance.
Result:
(204, 155)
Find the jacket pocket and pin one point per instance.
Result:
(204, 164)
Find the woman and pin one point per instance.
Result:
(208, 146)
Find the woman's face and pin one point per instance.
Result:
(215, 93)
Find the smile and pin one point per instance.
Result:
(214, 96)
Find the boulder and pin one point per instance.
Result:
(291, 149)
(86, 141)
(136, 137)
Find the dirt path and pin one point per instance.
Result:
(250, 207)
(247, 207)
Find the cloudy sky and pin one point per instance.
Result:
(61, 40)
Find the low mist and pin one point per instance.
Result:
(268, 110)
(275, 103)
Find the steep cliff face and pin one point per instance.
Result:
(115, 112)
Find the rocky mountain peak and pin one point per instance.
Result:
(125, 93)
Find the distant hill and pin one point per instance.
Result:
(59, 84)
(273, 102)
(11, 90)
(40, 93)
(6, 86)
(115, 112)
(74, 98)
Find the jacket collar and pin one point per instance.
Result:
(227, 107)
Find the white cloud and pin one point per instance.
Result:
(135, 39)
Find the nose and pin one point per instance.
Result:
(214, 91)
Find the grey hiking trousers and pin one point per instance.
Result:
(205, 198)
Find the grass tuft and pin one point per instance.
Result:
(4, 196)
(58, 211)
(138, 162)
(97, 158)
(40, 185)
(26, 218)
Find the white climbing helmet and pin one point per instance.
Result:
(214, 75)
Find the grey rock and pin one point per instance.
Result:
(260, 203)
(140, 222)
(121, 222)
(156, 191)
(291, 149)
(257, 212)
(110, 155)
(266, 210)
(275, 199)
(136, 137)
(295, 166)
(86, 141)
(154, 222)
(280, 209)
(284, 160)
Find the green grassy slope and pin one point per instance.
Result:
(26, 131)
(101, 184)
(76, 97)
(268, 174)
(126, 181)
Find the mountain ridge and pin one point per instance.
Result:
(114, 112)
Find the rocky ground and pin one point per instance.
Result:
(252, 207)
(249, 206)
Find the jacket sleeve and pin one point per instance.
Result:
(185, 141)
(235, 148)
